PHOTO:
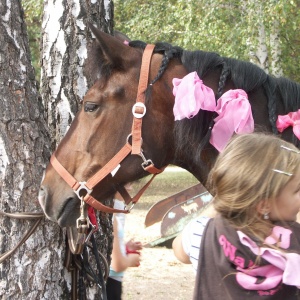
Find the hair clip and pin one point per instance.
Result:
(282, 172)
(289, 149)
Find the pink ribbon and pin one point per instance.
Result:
(234, 109)
(291, 119)
(191, 95)
(287, 264)
(235, 115)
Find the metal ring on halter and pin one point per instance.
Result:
(139, 105)
(129, 136)
(82, 186)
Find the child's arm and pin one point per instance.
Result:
(179, 251)
(120, 262)
(187, 242)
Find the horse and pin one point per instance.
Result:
(114, 124)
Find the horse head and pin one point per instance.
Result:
(103, 126)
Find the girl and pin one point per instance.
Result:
(250, 249)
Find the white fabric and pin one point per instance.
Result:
(191, 239)
(120, 218)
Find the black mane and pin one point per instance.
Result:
(244, 75)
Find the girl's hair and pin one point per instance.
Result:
(243, 176)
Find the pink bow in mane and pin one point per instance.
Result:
(234, 109)
(235, 116)
(191, 95)
(291, 119)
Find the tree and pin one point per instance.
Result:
(36, 270)
(264, 32)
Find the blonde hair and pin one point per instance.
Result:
(243, 176)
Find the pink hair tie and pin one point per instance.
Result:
(291, 119)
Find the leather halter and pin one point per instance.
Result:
(113, 165)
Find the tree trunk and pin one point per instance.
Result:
(65, 40)
(34, 271)
(275, 47)
(261, 53)
(256, 41)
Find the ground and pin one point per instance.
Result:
(160, 275)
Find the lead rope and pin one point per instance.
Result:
(86, 272)
(79, 264)
(38, 217)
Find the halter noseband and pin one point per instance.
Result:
(84, 189)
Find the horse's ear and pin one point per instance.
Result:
(121, 36)
(113, 49)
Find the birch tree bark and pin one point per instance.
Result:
(65, 39)
(33, 272)
(65, 42)
(275, 46)
(258, 51)
(36, 270)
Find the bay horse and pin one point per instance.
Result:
(104, 125)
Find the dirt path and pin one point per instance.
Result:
(160, 275)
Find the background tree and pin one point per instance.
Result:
(239, 29)
(264, 32)
(33, 12)
(66, 39)
(36, 270)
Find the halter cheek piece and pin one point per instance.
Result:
(84, 189)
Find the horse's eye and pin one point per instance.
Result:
(90, 107)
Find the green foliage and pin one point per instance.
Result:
(228, 27)
(33, 10)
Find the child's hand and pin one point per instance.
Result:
(133, 247)
(134, 259)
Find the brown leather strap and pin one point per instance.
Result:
(127, 198)
(143, 84)
(68, 178)
(153, 170)
(109, 167)
(93, 181)
(90, 200)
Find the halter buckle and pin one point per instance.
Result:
(146, 163)
(82, 186)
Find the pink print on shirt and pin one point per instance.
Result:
(267, 278)
(283, 235)
(230, 252)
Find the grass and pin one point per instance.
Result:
(171, 181)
